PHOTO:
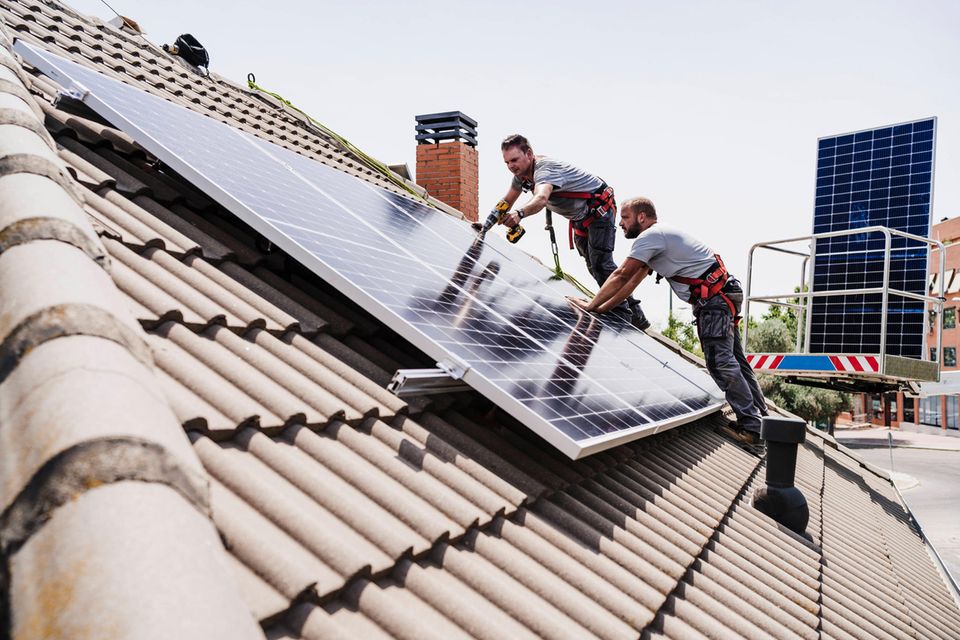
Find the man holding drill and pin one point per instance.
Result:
(582, 198)
(696, 274)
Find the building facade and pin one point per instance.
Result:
(942, 411)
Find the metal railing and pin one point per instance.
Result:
(805, 296)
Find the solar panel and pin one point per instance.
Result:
(582, 383)
(877, 177)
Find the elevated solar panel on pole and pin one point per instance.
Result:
(878, 177)
(582, 383)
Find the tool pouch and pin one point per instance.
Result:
(714, 323)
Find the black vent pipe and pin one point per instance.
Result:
(780, 499)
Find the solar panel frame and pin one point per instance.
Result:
(568, 366)
(832, 323)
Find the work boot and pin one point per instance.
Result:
(637, 317)
(749, 440)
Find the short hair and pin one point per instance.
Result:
(641, 205)
(516, 140)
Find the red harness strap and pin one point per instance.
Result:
(710, 285)
(600, 202)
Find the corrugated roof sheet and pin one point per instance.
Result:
(184, 412)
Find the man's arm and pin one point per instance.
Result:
(541, 193)
(512, 194)
(618, 287)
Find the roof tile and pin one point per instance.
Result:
(262, 599)
(45, 274)
(27, 199)
(459, 603)
(115, 214)
(443, 517)
(84, 573)
(54, 400)
(270, 552)
(163, 286)
(85, 172)
(317, 529)
(193, 387)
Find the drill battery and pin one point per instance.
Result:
(513, 233)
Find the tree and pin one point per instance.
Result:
(684, 334)
(777, 333)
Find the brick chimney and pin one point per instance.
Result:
(447, 160)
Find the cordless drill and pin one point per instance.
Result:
(513, 234)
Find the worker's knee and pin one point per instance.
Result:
(719, 357)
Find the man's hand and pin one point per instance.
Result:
(510, 220)
(578, 304)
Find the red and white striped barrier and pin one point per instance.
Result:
(813, 362)
(764, 361)
(869, 364)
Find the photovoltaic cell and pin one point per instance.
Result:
(879, 177)
(584, 383)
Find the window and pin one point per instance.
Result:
(950, 318)
(908, 415)
(949, 356)
(933, 354)
(930, 411)
(953, 405)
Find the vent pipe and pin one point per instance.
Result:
(780, 499)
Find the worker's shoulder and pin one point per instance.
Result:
(544, 162)
(573, 177)
(668, 230)
(666, 236)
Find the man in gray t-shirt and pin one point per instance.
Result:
(691, 267)
(580, 197)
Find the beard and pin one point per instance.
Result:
(631, 232)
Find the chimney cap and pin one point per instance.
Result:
(446, 125)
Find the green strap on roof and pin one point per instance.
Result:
(345, 144)
(558, 273)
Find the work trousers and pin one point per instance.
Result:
(726, 362)
(596, 249)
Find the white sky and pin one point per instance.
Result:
(711, 109)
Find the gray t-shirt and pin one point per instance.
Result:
(671, 252)
(564, 177)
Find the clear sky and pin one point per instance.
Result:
(711, 109)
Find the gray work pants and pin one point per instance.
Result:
(726, 361)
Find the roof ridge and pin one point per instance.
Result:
(59, 308)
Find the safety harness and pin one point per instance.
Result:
(599, 202)
(709, 284)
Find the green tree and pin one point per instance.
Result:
(777, 333)
(684, 334)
